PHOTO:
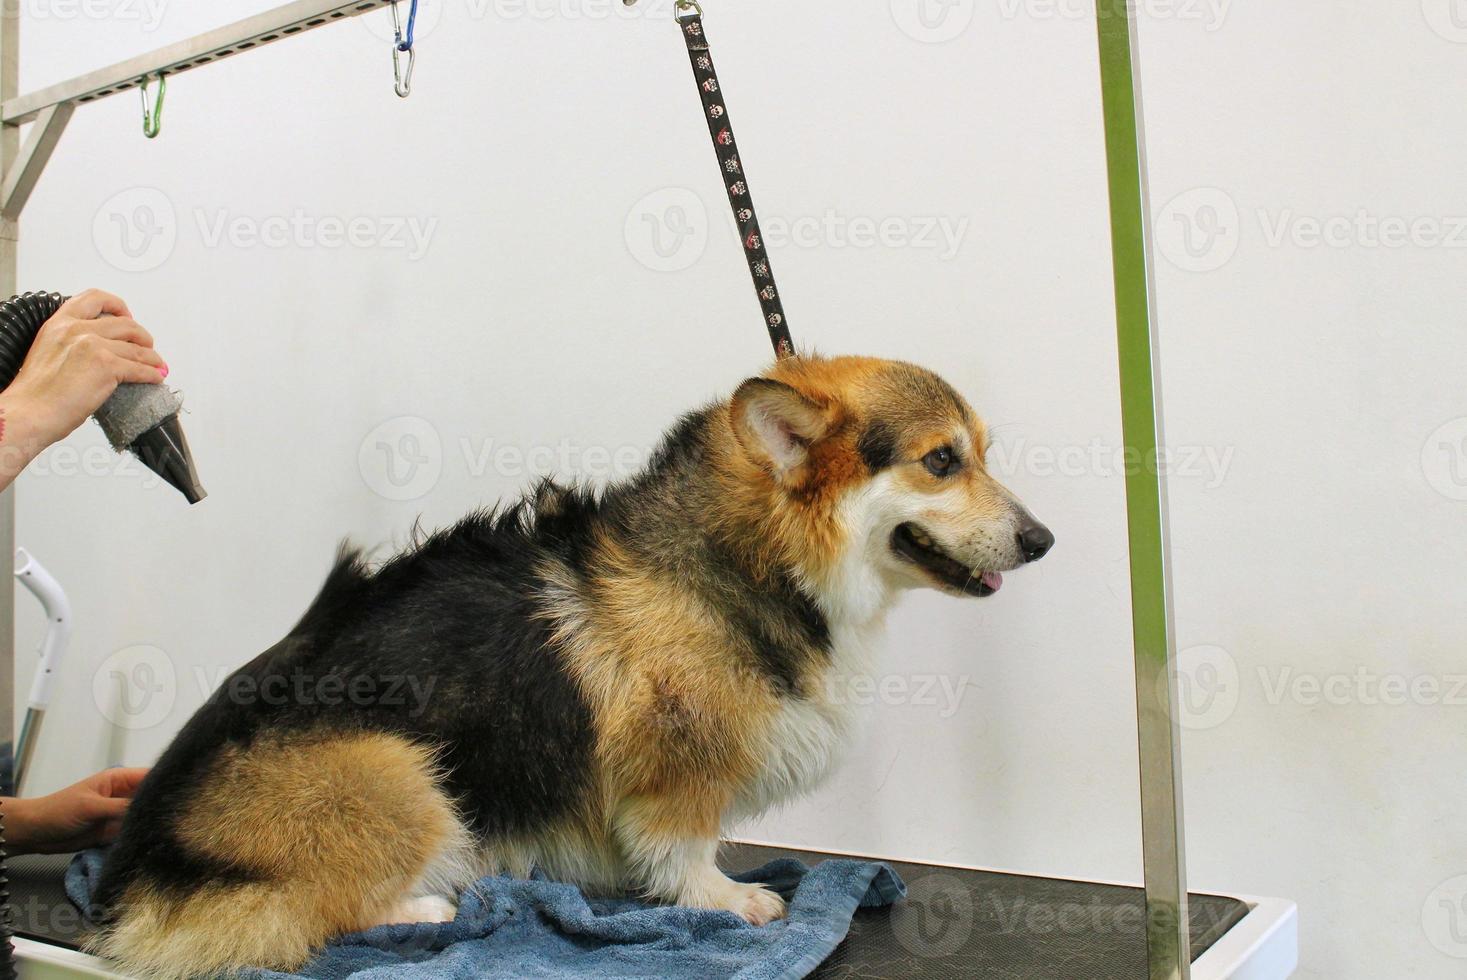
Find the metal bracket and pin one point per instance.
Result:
(21, 179)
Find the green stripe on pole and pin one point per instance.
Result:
(1158, 735)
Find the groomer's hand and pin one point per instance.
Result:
(80, 816)
(90, 346)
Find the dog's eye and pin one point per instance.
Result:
(939, 461)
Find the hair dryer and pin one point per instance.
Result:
(140, 418)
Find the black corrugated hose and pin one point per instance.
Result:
(7, 953)
(21, 318)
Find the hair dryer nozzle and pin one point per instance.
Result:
(164, 450)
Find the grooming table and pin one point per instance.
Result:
(972, 924)
(956, 924)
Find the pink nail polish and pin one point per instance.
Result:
(163, 370)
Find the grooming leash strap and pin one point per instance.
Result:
(734, 179)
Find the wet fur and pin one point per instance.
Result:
(601, 683)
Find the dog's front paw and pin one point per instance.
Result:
(756, 904)
(427, 908)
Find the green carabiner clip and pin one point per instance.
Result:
(153, 118)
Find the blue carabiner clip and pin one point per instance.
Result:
(402, 82)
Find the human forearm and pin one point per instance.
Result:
(82, 815)
(24, 433)
(19, 825)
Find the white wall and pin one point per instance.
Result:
(1316, 530)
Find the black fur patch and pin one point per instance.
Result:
(877, 446)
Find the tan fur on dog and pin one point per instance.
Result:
(334, 831)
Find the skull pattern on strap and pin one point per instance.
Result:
(736, 183)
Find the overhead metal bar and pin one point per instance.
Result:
(244, 35)
(1163, 847)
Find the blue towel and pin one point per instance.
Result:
(527, 930)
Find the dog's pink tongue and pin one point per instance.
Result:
(994, 580)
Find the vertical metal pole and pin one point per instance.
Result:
(1163, 849)
(9, 150)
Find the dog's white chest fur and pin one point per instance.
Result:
(808, 735)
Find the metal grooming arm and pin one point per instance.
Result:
(49, 110)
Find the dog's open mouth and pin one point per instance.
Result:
(915, 545)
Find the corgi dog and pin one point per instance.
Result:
(594, 684)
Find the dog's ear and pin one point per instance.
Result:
(776, 425)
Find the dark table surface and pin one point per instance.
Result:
(953, 924)
(990, 926)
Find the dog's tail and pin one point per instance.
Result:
(316, 837)
(212, 930)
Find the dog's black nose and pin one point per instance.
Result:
(1035, 540)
